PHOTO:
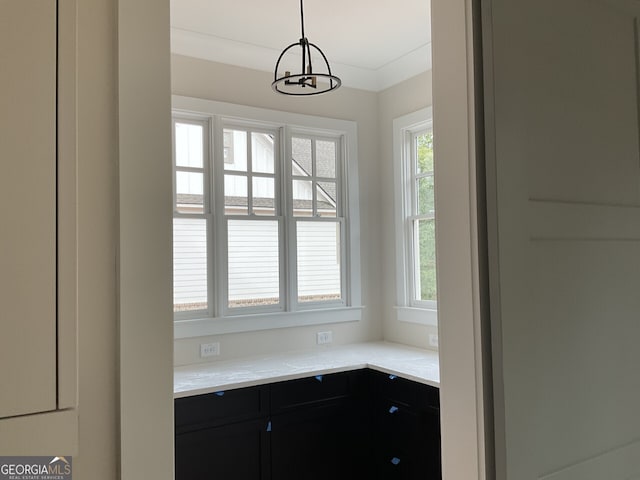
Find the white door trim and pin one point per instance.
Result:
(463, 400)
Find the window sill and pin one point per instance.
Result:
(264, 321)
(421, 316)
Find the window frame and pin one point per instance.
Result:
(208, 193)
(219, 317)
(408, 308)
(341, 217)
(220, 234)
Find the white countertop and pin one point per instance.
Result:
(411, 363)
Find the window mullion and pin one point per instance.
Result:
(289, 241)
(189, 169)
(413, 219)
(423, 216)
(428, 174)
(190, 215)
(279, 173)
(411, 259)
(174, 166)
(207, 164)
(314, 180)
(249, 173)
(218, 265)
(341, 214)
(341, 176)
(345, 277)
(410, 170)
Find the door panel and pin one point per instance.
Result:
(580, 69)
(28, 206)
(565, 266)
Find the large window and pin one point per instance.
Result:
(263, 227)
(415, 213)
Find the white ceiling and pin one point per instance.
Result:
(370, 44)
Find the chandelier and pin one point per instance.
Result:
(308, 81)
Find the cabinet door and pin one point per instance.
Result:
(319, 427)
(318, 442)
(238, 451)
(27, 206)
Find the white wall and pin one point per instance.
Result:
(97, 457)
(144, 247)
(401, 99)
(212, 81)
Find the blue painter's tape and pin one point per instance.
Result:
(393, 409)
(269, 426)
(220, 394)
(319, 378)
(395, 460)
(393, 377)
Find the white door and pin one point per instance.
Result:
(27, 206)
(562, 79)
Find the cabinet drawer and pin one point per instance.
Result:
(311, 390)
(418, 396)
(220, 408)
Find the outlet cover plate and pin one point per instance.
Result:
(324, 337)
(209, 349)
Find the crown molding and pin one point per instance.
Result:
(223, 50)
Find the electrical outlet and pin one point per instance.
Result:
(433, 340)
(324, 337)
(209, 349)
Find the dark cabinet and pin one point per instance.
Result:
(358, 424)
(318, 428)
(223, 435)
(406, 428)
(238, 451)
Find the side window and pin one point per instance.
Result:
(422, 219)
(415, 218)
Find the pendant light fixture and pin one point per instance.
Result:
(308, 81)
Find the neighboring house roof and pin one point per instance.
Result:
(191, 199)
(302, 160)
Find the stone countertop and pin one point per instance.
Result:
(408, 362)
